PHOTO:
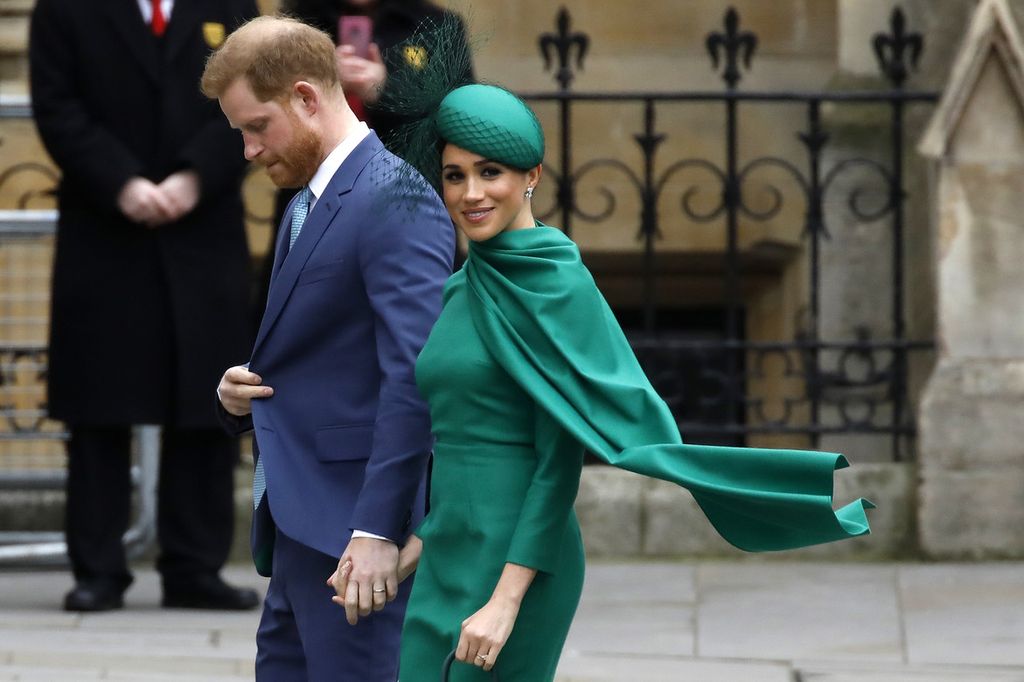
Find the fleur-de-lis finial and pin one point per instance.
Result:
(563, 43)
(733, 42)
(891, 49)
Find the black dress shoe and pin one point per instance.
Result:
(94, 597)
(208, 592)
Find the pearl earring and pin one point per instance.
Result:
(528, 193)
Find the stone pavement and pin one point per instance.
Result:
(704, 621)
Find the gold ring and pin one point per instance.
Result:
(378, 590)
(482, 657)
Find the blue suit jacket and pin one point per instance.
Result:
(345, 439)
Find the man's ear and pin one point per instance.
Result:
(306, 96)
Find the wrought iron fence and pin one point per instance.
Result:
(844, 385)
(31, 446)
(855, 385)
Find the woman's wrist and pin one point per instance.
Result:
(512, 586)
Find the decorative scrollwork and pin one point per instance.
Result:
(49, 174)
(854, 200)
(692, 378)
(609, 197)
(685, 202)
(776, 195)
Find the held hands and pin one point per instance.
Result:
(361, 77)
(366, 578)
(408, 558)
(238, 387)
(154, 205)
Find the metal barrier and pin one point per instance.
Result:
(31, 446)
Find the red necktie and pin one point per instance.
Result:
(159, 23)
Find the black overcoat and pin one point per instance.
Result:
(144, 321)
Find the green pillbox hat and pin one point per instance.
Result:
(492, 122)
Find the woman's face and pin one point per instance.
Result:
(484, 197)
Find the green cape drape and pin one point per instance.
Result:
(541, 316)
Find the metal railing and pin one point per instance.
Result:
(848, 385)
(836, 383)
(31, 446)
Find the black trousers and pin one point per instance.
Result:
(195, 508)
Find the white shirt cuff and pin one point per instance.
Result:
(364, 534)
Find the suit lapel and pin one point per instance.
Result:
(127, 21)
(287, 267)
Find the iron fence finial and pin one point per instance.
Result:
(562, 44)
(734, 43)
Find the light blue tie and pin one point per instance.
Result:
(259, 484)
(299, 212)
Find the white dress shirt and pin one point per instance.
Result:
(146, 7)
(318, 183)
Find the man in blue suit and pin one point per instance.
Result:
(343, 436)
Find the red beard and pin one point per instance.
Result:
(295, 166)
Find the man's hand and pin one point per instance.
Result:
(143, 202)
(371, 579)
(181, 190)
(363, 78)
(237, 389)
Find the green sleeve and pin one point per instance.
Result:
(548, 507)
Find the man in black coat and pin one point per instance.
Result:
(150, 281)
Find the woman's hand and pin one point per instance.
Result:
(409, 557)
(485, 632)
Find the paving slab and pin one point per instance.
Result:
(693, 621)
(963, 613)
(783, 611)
(610, 668)
(855, 672)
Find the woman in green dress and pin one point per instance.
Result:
(525, 368)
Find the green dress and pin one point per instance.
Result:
(526, 366)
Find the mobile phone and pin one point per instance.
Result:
(357, 31)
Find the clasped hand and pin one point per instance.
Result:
(143, 201)
(368, 574)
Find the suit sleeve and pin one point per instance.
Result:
(234, 425)
(215, 150)
(86, 152)
(547, 507)
(405, 259)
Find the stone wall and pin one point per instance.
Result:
(972, 434)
